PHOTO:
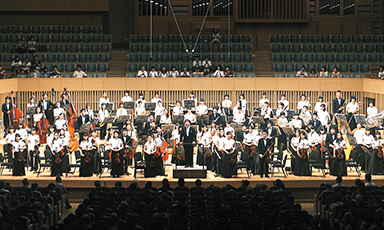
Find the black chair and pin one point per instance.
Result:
(139, 163)
(280, 165)
(5, 162)
(105, 161)
(47, 161)
(317, 161)
(354, 165)
(75, 165)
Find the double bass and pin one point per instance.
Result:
(14, 115)
(43, 125)
(72, 118)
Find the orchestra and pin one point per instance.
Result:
(220, 136)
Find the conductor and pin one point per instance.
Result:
(188, 138)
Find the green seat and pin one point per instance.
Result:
(273, 38)
(305, 38)
(7, 58)
(298, 66)
(379, 48)
(83, 58)
(319, 57)
(67, 76)
(309, 57)
(237, 57)
(55, 38)
(297, 58)
(249, 75)
(134, 48)
(155, 48)
(316, 48)
(175, 48)
(236, 48)
(96, 38)
(101, 67)
(3, 38)
(340, 57)
(331, 66)
(248, 68)
(196, 75)
(144, 38)
(206, 48)
(45, 29)
(14, 38)
(325, 38)
(87, 29)
(86, 38)
(106, 38)
(75, 38)
(327, 48)
(69, 67)
(345, 38)
(296, 48)
(238, 68)
(280, 75)
(76, 29)
(49, 66)
(357, 76)
(236, 38)
(356, 38)
(289, 68)
(26, 29)
(294, 38)
(343, 68)
(165, 48)
(11, 48)
(247, 57)
(358, 48)
(346, 76)
(370, 48)
(216, 58)
(131, 75)
(165, 38)
(361, 58)
(336, 38)
(103, 57)
(354, 68)
(15, 29)
(35, 29)
(71, 58)
(144, 48)
(364, 68)
(238, 75)
(227, 57)
(376, 38)
(279, 67)
(41, 57)
(155, 58)
(2, 48)
(155, 38)
(307, 48)
(185, 38)
(216, 48)
(310, 67)
(284, 38)
(291, 75)
(60, 67)
(61, 58)
(245, 38)
(184, 57)
(329, 58)
(66, 38)
(132, 67)
(348, 48)
(286, 48)
(5, 29)
(277, 58)
(175, 38)
(143, 57)
(351, 58)
(135, 38)
(367, 38)
(104, 48)
(175, 58)
(246, 48)
(73, 48)
(372, 58)
(84, 48)
(315, 38)
(66, 29)
(196, 48)
(100, 75)
(164, 58)
(94, 48)
(275, 48)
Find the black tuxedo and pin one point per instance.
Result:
(273, 132)
(336, 105)
(329, 139)
(5, 108)
(64, 102)
(80, 121)
(261, 149)
(213, 116)
(48, 110)
(187, 138)
(316, 124)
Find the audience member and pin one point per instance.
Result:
(339, 180)
(163, 72)
(142, 72)
(336, 73)
(313, 73)
(196, 65)
(79, 73)
(174, 72)
(219, 72)
(185, 72)
(381, 72)
(22, 45)
(153, 72)
(16, 65)
(323, 72)
(302, 72)
(368, 179)
(26, 66)
(55, 72)
(35, 73)
(63, 191)
(45, 73)
(215, 36)
(228, 72)
(36, 63)
(32, 45)
(207, 65)
(2, 71)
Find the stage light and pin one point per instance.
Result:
(186, 50)
(193, 50)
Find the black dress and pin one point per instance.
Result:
(228, 167)
(117, 163)
(339, 165)
(302, 164)
(375, 166)
(86, 169)
(150, 163)
(57, 165)
(19, 163)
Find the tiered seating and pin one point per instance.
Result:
(64, 46)
(169, 50)
(354, 55)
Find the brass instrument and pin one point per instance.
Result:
(374, 121)
(305, 118)
(102, 122)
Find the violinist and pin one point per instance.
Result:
(375, 166)
(314, 139)
(37, 116)
(82, 120)
(249, 145)
(305, 115)
(33, 141)
(103, 113)
(158, 141)
(57, 150)
(149, 151)
(323, 137)
(204, 140)
(95, 141)
(296, 123)
(60, 122)
(190, 116)
(127, 157)
(214, 116)
(86, 153)
(116, 155)
(103, 99)
(285, 102)
(159, 108)
(50, 137)
(6, 109)
(280, 109)
(339, 165)
(58, 110)
(229, 158)
(47, 107)
(266, 113)
(165, 118)
(177, 109)
(64, 138)
(22, 131)
(295, 155)
(18, 155)
(303, 162)
(238, 116)
(314, 122)
(217, 150)
(264, 144)
(323, 116)
(176, 139)
(367, 142)
(202, 109)
(107, 139)
(303, 102)
(229, 128)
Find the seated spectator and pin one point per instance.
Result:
(302, 73)
(36, 63)
(196, 65)
(381, 72)
(323, 72)
(368, 178)
(22, 45)
(32, 45)
(313, 73)
(35, 73)
(55, 73)
(45, 72)
(153, 72)
(16, 65)
(219, 72)
(26, 66)
(228, 72)
(63, 191)
(335, 73)
(215, 36)
(185, 72)
(142, 72)
(2, 72)
(25, 183)
(181, 185)
(207, 65)
(339, 180)
(79, 73)
(174, 72)
(163, 72)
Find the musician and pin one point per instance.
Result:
(82, 120)
(371, 110)
(323, 116)
(220, 108)
(238, 116)
(174, 72)
(214, 116)
(121, 111)
(330, 138)
(243, 102)
(202, 109)
(60, 122)
(320, 102)
(227, 105)
(95, 141)
(315, 123)
(86, 153)
(64, 101)
(50, 137)
(142, 72)
(204, 140)
(190, 116)
(337, 103)
(58, 110)
(156, 99)
(302, 73)
(196, 65)
(33, 141)
(177, 109)
(249, 145)
(191, 97)
(219, 72)
(159, 108)
(126, 97)
(295, 140)
(31, 103)
(127, 156)
(367, 142)
(285, 102)
(303, 162)
(264, 144)
(149, 125)
(103, 99)
(339, 165)
(263, 100)
(229, 157)
(188, 138)
(323, 72)
(107, 139)
(266, 113)
(18, 156)
(141, 98)
(280, 110)
(375, 166)
(303, 102)
(160, 150)
(57, 151)
(352, 108)
(47, 106)
(217, 149)
(116, 156)
(149, 151)
(37, 116)
(140, 109)
(229, 128)
(296, 123)
(22, 131)
(153, 72)
(89, 111)
(103, 113)
(314, 139)
(176, 138)
(165, 118)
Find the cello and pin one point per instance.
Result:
(72, 118)
(43, 125)
(14, 115)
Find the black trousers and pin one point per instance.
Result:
(188, 149)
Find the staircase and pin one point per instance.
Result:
(118, 63)
(263, 63)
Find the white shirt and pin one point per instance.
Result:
(367, 140)
(159, 111)
(150, 147)
(303, 143)
(301, 104)
(358, 134)
(314, 138)
(103, 114)
(184, 74)
(166, 74)
(295, 142)
(115, 143)
(218, 73)
(249, 138)
(268, 112)
(85, 145)
(377, 143)
(191, 117)
(285, 102)
(164, 119)
(243, 103)
(142, 73)
(176, 135)
(33, 141)
(296, 123)
(220, 142)
(37, 117)
(64, 139)
(153, 74)
(205, 138)
(338, 145)
(103, 101)
(351, 107)
(177, 110)
(226, 104)
(155, 100)
(59, 123)
(79, 74)
(30, 105)
(381, 74)
(324, 74)
(238, 117)
(372, 111)
(228, 144)
(121, 112)
(56, 145)
(262, 102)
(174, 73)
(140, 111)
(126, 99)
(57, 112)
(18, 145)
(301, 74)
(318, 106)
(23, 133)
(230, 129)
(207, 63)
(323, 117)
(10, 138)
(201, 109)
(279, 111)
(196, 63)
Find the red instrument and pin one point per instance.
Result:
(313, 147)
(322, 147)
(253, 150)
(43, 125)
(15, 115)
(87, 156)
(72, 118)
(380, 152)
(117, 159)
(303, 154)
(339, 154)
(58, 156)
(164, 150)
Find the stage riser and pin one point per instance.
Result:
(186, 173)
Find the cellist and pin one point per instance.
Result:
(6, 108)
(37, 116)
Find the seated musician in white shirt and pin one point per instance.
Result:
(229, 128)
(296, 122)
(190, 116)
(126, 97)
(159, 108)
(60, 122)
(284, 101)
(58, 110)
(121, 111)
(371, 110)
(305, 115)
(140, 109)
(142, 72)
(303, 101)
(263, 100)
(202, 109)
(313, 138)
(226, 104)
(177, 109)
(153, 72)
(165, 118)
(238, 115)
(156, 99)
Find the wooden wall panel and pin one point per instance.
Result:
(54, 5)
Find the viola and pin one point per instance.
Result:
(303, 154)
(19, 155)
(380, 152)
(232, 158)
(339, 154)
(15, 114)
(164, 151)
(313, 147)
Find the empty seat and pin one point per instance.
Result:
(84, 48)
(343, 68)
(331, 67)
(284, 38)
(69, 67)
(246, 48)
(135, 38)
(327, 48)
(245, 38)
(356, 38)
(7, 58)
(296, 48)
(73, 48)
(289, 68)
(70, 57)
(51, 58)
(5, 29)
(87, 29)
(55, 38)
(227, 57)
(11, 48)
(329, 58)
(277, 58)
(346, 76)
(286, 48)
(274, 38)
(279, 68)
(3, 38)
(311, 67)
(357, 76)
(247, 57)
(237, 57)
(103, 57)
(305, 38)
(294, 38)
(185, 38)
(236, 38)
(335, 38)
(354, 68)
(249, 75)
(315, 38)
(361, 58)
(351, 58)
(13, 38)
(324, 38)
(316, 48)
(60, 67)
(104, 48)
(45, 29)
(66, 29)
(298, 58)
(345, 38)
(174, 57)
(44, 38)
(370, 48)
(176, 48)
(95, 48)
(83, 58)
(175, 38)
(379, 48)
(91, 67)
(309, 57)
(238, 68)
(144, 38)
(372, 58)
(2, 49)
(86, 38)
(61, 58)
(155, 58)
(358, 48)
(307, 48)
(248, 67)
(96, 29)
(15, 29)
(134, 48)
(165, 48)
(64, 48)
(56, 29)
(164, 57)
(99, 75)
(364, 68)
(143, 57)
(207, 38)
(155, 38)
(66, 38)
(340, 57)
(367, 38)
(53, 48)
(96, 38)
(280, 75)
(236, 48)
(184, 58)
(76, 29)
(338, 48)
(348, 48)
(291, 75)
(275, 48)
(106, 38)
(132, 68)
(26, 29)
(155, 48)
(216, 48)
(165, 38)
(319, 57)
(216, 58)
(376, 38)
(196, 48)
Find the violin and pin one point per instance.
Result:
(117, 159)
(339, 154)
(313, 147)
(380, 152)
(87, 156)
(303, 154)
(58, 156)
(322, 147)
(232, 158)
(14, 115)
(253, 150)
(180, 155)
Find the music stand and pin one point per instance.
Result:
(109, 119)
(340, 116)
(109, 106)
(257, 120)
(31, 110)
(134, 145)
(85, 128)
(171, 143)
(149, 106)
(189, 104)
(360, 118)
(123, 118)
(288, 131)
(95, 121)
(142, 118)
(221, 120)
(202, 119)
(178, 119)
(168, 128)
(290, 113)
(236, 126)
(129, 105)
